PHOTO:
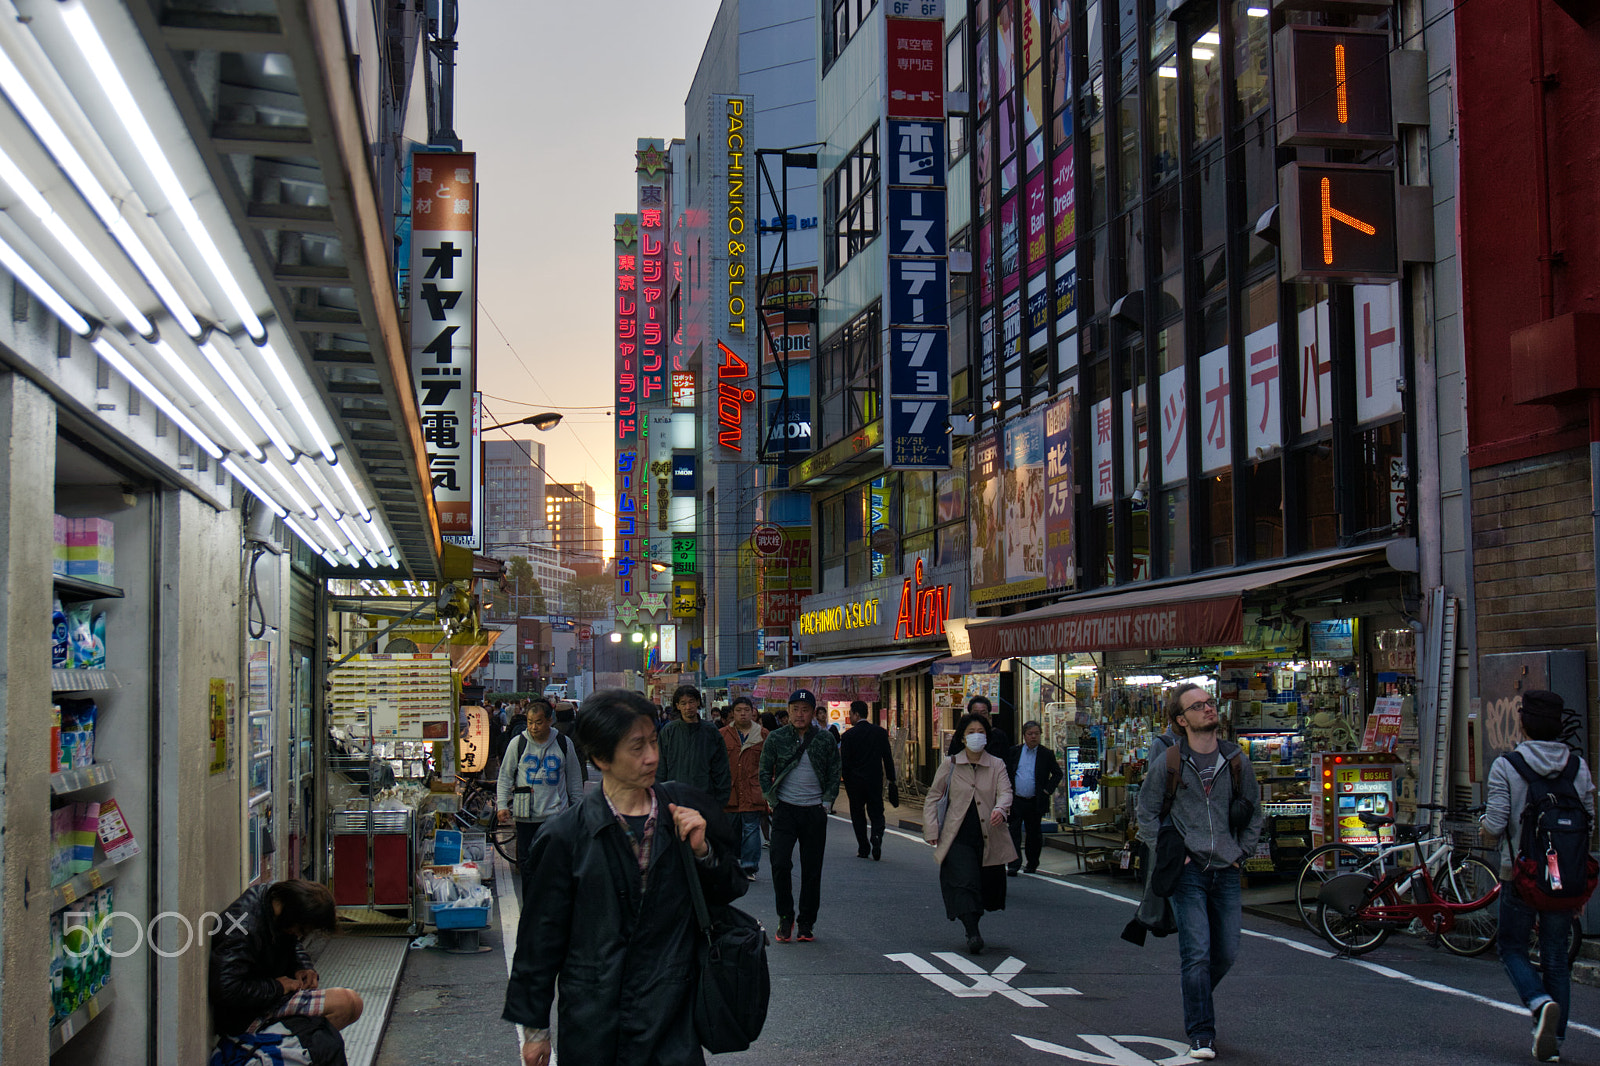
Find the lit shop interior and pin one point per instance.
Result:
(1298, 696)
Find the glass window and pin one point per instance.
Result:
(1260, 307)
(1380, 488)
(1097, 176)
(1214, 325)
(1315, 476)
(1217, 547)
(1260, 170)
(1264, 508)
(1176, 504)
(1139, 542)
(1164, 154)
(1101, 545)
(1169, 220)
(850, 202)
(1252, 71)
(1060, 54)
(1129, 162)
(843, 18)
(1213, 200)
(1205, 83)
(917, 490)
(1132, 251)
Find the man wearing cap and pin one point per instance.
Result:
(800, 780)
(1546, 755)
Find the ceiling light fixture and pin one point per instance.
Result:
(245, 397)
(55, 139)
(281, 372)
(209, 398)
(292, 526)
(155, 396)
(121, 97)
(42, 289)
(350, 489)
(258, 492)
(86, 260)
(299, 501)
(316, 487)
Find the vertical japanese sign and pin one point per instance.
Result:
(1061, 564)
(916, 365)
(630, 474)
(444, 224)
(730, 370)
(654, 341)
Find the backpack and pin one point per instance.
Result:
(1553, 870)
(1240, 809)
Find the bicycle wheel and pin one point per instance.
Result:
(503, 835)
(1474, 931)
(477, 804)
(1322, 863)
(1574, 945)
(1353, 935)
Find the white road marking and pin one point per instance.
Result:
(983, 983)
(1321, 951)
(1113, 1050)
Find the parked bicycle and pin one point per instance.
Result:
(476, 811)
(1352, 898)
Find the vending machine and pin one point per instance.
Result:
(1351, 783)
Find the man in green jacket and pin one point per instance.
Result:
(800, 780)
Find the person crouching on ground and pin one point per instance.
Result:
(973, 843)
(608, 909)
(261, 976)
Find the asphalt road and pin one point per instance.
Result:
(888, 982)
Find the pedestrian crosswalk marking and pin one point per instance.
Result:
(983, 982)
(1113, 1050)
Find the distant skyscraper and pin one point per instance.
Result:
(514, 488)
(570, 518)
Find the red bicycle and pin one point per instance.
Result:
(1451, 896)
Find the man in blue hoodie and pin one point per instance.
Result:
(1547, 995)
(1206, 902)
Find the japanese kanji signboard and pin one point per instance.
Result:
(444, 223)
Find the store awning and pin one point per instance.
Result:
(838, 679)
(1173, 615)
(965, 664)
(873, 666)
(722, 680)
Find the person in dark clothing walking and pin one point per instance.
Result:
(692, 750)
(1035, 774)
(260, 972)
(608, 910)
(800, 780)
(867, 761)
(999, 739)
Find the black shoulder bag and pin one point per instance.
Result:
(730, 998)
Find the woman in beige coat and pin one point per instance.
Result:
(973, 843)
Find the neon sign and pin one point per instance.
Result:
(736, 247)
(731, 398)
(923, 611)
(857, 615)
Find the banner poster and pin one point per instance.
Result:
(1024, 494)
(1060, 552)
(986, 511)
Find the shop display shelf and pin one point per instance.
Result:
(77, 589)
(73, 1023)
(83, 681)
(75, 888)
(67, 782)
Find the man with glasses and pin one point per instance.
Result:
(1206, 787)
(692, 750)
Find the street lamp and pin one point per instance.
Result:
(616, 638)
(544, 421)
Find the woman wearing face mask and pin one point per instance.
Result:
(973, 844)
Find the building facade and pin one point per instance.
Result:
(570, 520)
(514, 494)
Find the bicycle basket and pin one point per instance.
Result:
(1463, 831)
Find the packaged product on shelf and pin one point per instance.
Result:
(115, 836)
(55, 738)
(58, 558)
(78, 721)
(58, 970)
(60, 650)
(76, 939)
(100, 967)
(80, 637)
(60, 845)
(91, 550)
(98, 629)
(85, 827)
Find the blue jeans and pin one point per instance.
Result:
(1555, 933)
(1207, 909)
(749, 825)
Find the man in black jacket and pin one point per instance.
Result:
(692, 750)
(867, 761)
(1035, 774)
(260, 973)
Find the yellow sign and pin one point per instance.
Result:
(473, 747)
(836, 619)
(219, 725)
(685, 595)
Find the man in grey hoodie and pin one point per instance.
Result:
(1206, 901)
(540, 776)
(1547, 995)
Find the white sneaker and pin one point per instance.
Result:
(1203, 1048)
(1546, 1020)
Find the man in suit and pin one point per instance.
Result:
(867, 760)
(1035, 774)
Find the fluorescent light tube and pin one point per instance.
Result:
(245, 397)
(355, 538)
(255, 490)
(289, 490)
(305, 537)
(209, 398)
(86, 260)
(281, 372)
(350, 488)
(1211, 38)
(121, 97)
(315, 486)
(41, 288)
(44, 125)
(155, 396)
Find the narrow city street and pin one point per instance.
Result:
(887, 982)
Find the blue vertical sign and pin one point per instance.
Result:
(916, 362)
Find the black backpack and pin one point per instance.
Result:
(1553, 868)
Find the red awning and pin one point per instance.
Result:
(1191, 614)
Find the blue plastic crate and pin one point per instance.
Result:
(459, 917)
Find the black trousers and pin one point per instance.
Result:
(808, 827)
(527, 833)
(866, 802)
(1026, 811)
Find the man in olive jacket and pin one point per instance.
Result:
(692, 750)
(800, 780)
